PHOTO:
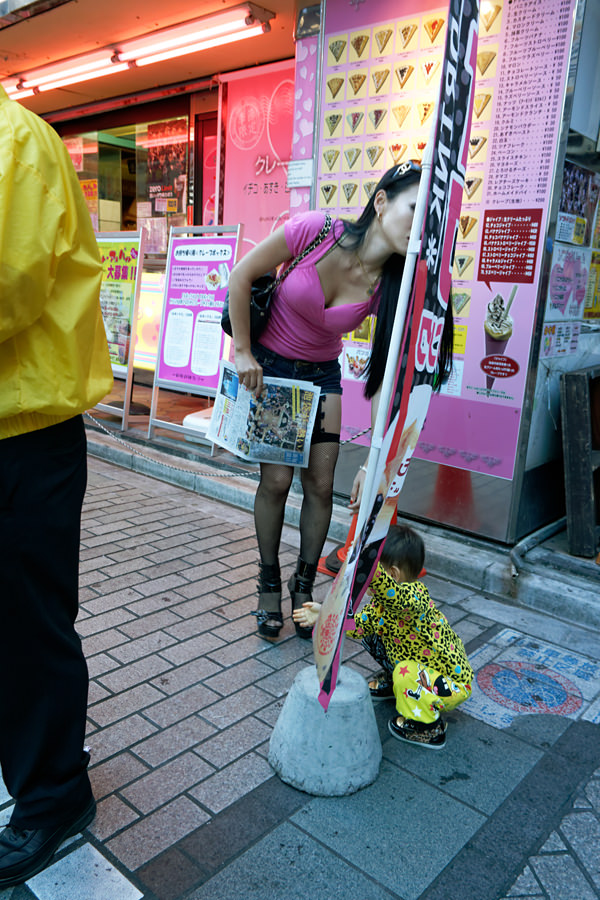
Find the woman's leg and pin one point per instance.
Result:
(269, 509)
(317, 486)
(317, 479)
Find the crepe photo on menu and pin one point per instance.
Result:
(334, 85)
(352, 155)
(382, 38)
(359, 44)
(336, 48)
(462, 262)
(403, 74)
(476, 144)
(471, 186)
(377, 117)
(373, 152)
(356, 81)
(489, 14)
(400, 113)
(480, 102)
(328, 191)
(485, 58)
(406, 33)
(331, 156)
(433, 27)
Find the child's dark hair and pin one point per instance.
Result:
(405, 549)
(394, 182)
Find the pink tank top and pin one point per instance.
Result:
(300, 326)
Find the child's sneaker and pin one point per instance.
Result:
(432, 737)
(382, 688)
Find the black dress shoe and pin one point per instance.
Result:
(25, 852)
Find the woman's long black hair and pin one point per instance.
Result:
(394, 182)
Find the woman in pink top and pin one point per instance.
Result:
(354, 272)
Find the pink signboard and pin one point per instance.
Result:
(191, 339)
(380, 72)
(260, 111)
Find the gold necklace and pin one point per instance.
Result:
(373, 282)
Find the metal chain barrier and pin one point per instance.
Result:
(230, 474)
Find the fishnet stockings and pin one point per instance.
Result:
(317, 486)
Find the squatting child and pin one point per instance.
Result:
(423, 662)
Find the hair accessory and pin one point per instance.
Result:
(406, 167)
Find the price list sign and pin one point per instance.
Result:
(509, 245)
(522, 79)
(530, 89)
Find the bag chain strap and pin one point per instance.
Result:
(312, 246)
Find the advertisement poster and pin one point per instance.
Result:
(166, 144)
(578, 205)
(474, 424)
(89, 186)
(568, 282)
(405, 400)
(592, 294)
(150, 305)
(258, 149)
(191, 338)
(117, 296)
(381, 74)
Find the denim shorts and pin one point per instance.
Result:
(326, 375)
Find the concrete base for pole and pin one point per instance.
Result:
(331, 753)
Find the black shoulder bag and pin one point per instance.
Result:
(263, 289)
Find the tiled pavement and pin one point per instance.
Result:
(184, 695)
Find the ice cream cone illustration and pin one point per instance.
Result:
(498, 329)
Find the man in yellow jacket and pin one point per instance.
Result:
(54, 365)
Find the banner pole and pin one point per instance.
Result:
(389, 377)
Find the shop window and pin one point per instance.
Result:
(135, 177)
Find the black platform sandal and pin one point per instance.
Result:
(270, 620)
(300, 587)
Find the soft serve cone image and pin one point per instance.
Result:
(498, 329)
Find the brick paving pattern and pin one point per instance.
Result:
(184, 695)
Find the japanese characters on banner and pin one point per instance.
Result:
(191, 338)
(381, 72)
(259, 141)
(414, 366)
(120, 261)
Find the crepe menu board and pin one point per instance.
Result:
(521, 77)
(191, 340)
(522, 68)
(380, 81)
(380, 84)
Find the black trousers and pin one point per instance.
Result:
(43, 673)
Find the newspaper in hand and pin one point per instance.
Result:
(274, 427)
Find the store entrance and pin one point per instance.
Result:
(205, 168)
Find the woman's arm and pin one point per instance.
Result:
(265, 257)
